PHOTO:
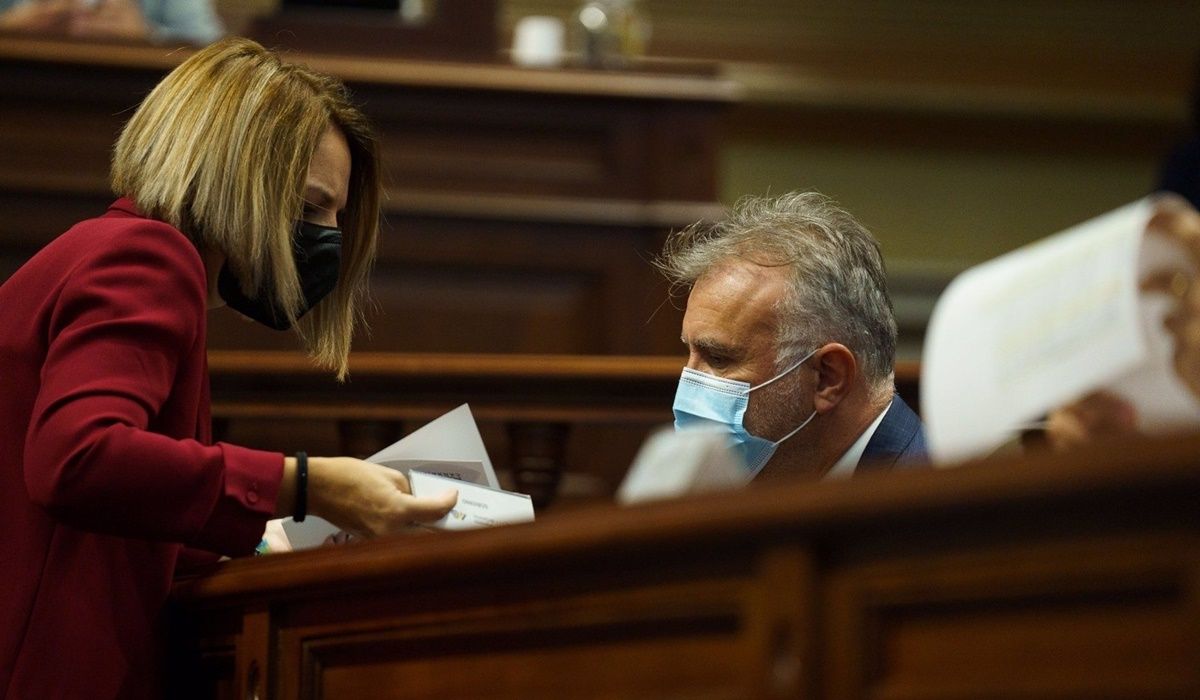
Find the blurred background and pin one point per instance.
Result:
(955, 130)
(525, 201)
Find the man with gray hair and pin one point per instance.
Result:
(791, 339)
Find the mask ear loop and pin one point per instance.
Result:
(784, 372)
(798, 428)
(781, 375)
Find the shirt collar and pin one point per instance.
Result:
(845, 466)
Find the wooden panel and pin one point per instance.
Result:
(1106, 617)
(671, 641)
(204, 662)
(1047, 577)
(573, 147)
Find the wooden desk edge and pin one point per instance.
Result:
(1114, 471)
(415, 73)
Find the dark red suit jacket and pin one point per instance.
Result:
(106, 461)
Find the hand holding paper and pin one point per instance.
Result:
(1176, 221)
(370, 500)
(449, 447)
(1074, 313)
(477, 506)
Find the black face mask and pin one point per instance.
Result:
(318, 251)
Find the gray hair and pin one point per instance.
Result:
(838, 287)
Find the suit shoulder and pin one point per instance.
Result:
(136, 241)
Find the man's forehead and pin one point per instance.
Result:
(734, 301)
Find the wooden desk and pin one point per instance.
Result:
(1048, 578)
(522, 205)
(543, 417)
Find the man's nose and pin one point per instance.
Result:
(696, 362)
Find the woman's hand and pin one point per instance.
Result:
(362, 498)
(1176, 220)
(1095, 415)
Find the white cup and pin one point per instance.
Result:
(538, 41)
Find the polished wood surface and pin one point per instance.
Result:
(1046, 577)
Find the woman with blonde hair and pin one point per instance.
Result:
(242, 180)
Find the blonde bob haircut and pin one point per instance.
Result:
(220, 150)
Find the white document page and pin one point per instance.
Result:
(1043, 325)
(451, 438)
(478, 506)
(459, 470)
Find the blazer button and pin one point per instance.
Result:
(252, 497)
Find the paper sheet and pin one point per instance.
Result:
(1039, 327)
(471, 472)
(478, 506)
(452, 438)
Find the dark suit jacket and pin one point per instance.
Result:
(898, 442)
(106, 465)
(1181, 171)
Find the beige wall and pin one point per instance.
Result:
(943, 205)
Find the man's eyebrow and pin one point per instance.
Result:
(712, 347)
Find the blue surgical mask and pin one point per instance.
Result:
(707, 402)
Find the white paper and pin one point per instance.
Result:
(1017, 336)
(478, 506)
(671, 464)
(459, 470)
(452, 438)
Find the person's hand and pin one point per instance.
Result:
(337, 539)
(1176, 220)
(1095, 415)
(121, 19)
(366, 499)
(38, 16)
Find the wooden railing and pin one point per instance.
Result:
(544, 416)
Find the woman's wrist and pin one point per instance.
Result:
(285, 503)
(300, 511)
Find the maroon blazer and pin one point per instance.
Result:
(106, 461)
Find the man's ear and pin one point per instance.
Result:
(836, 371)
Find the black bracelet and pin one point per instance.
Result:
(301, 487)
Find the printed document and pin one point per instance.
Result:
(478, 506)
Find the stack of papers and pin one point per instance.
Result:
(447, 453)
